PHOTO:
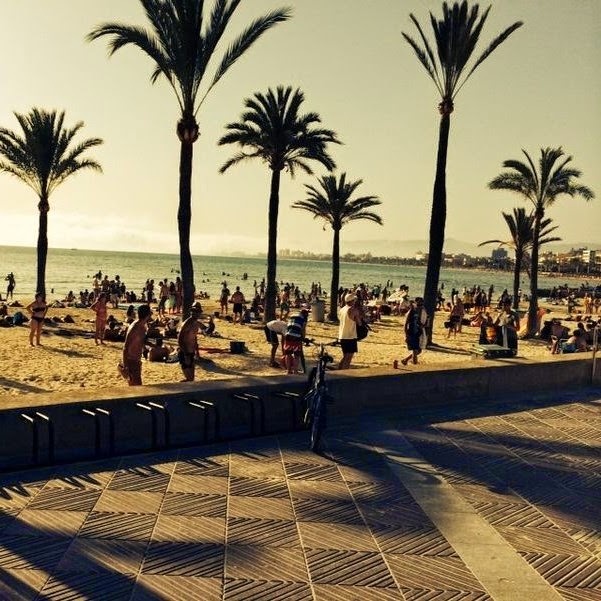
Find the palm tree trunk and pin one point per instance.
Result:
(333, 316)
(519, 255)
(438, 219)
(184, 218)
(272, 239)
(42, 246)
(533, 306)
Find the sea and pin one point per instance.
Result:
(74, 269)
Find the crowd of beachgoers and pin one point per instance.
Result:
(68, 357)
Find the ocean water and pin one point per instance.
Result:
(74, 269)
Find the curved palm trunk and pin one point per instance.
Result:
(333, 316)
(533, 306)
(42, 249)
(519, 255)
(438, 219)
(184, 218)
(272, 238)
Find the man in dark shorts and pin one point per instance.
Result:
(273, 329)
(10, 278)
(349, 316)
(238, 301)
(188, 343)
(131, 367)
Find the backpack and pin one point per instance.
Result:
(362, 330)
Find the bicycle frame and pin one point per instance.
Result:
(316, 397)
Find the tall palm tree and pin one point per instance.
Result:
(456, 36)
(43, 157)
(273, 130)
(554, 177)
(521, 230)
(182, 41)
(333, 203)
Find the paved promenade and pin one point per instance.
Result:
(465, 504)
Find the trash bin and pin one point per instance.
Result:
(318, 310)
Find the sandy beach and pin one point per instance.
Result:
(70, 360)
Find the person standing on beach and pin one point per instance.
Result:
(238, 301)
(10, 278)
(272, 329)
(224, 298)
(349, 316)
(509, 320)
(99, 307)
(415, 330)
(131, 367)
(37, 309)
(188, 342)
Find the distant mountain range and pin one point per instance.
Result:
(409, 248)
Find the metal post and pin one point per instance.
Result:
(153, 424)
(96, 429)
(166, 421)
(111, 422)
(35, 447)
(50, 427)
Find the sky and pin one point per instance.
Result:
(541, 88)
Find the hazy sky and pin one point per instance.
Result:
(542, 87)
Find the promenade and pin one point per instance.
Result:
(472, 503)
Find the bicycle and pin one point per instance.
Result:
(317, 397)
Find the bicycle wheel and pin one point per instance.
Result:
(318, 420)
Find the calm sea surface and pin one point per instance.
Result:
(74, 269)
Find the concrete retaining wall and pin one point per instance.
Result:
(79, 435)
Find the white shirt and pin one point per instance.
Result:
(347, 330)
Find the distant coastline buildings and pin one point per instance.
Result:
(585, 261)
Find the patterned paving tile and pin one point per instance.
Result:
(352, 537)
(96, 555)
(404, 515)
(590, 539)
(125, 501)
(258, 487)
(571, 571)
(140, 480)
(350, 568)
(509, 514)
(11, 498)
(176, 588)
(315, 489)
(189, 529)
(265, 563)
(203, 467)
(266, 590)
(40, 522)
(31, 553)
(379, 493)
(68, 586)
(318, 510)
(434, 573)
(540, 540)
(129, 526)
(21, 585)
(56, 499)
(444, 595)
(269, 533)
(180, 503)
(208, 485)
(184, 559)
(413, 541)
(330, 592)
(578, 594)
(245, 468)
(265, 508)
(7, 516)
(309, 471)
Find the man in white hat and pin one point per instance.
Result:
(349, 316)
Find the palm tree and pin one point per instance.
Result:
(333, 204)
(521, 230)
(272, 130)
(182, 41)
(542, 188)
(456, 36)
(43, 157)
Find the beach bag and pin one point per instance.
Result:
(362, 330)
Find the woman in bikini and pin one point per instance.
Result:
(99, 307)
(38, 309)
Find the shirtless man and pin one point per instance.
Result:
(188, 343)
(131, 368)
(238, 301)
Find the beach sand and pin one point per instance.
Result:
(70, 360)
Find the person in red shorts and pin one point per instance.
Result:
(292, 347)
